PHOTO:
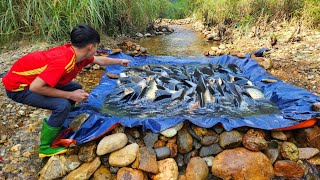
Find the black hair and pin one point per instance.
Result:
(83, 35)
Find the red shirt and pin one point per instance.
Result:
(56, 66)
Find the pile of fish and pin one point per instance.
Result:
(169, 90)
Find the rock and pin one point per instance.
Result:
(269, 81)
(316, 106)
(240, 163)
(208, 140)
(54, 168)
(194, 135)
(170, 132)
(218, 129)
(279, 135)
(87, 152)
(307, 153)
(230, 139)
(111, 143)
(200, 131)
(190, 155)
(124, 156)
(196, 144)
(265, 63)
(309, 136)
(217, 38)
(209, 160)
(222, 46)
(102, 173)
(288, 169)
(143, 50)
(168, 169)
(214, 149)
(272, 154)
(211, 53)
(130, 174)
(214, 48)
(162, 153)
(173, 149)
(85, 170)
(254, 141)
(96, 67)
(133, 132)
(147, 35)
(315, 160)
(197, 169)
(146, 160)
(150, 139)
(139, 35)
(184, 141)
(289, 151)
(159, 144)
(72, 163)
(15, 148)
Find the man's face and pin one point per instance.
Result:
(92, 49)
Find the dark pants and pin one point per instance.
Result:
(60, 107)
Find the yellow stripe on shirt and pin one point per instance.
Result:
(31, 72)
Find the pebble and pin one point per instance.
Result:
(162, 153)
(124, 156)
(111, 143)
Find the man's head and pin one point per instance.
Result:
(85, 37)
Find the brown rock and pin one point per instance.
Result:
(307, 153)
(159, 144)
(85, 170)
(197, 169)
(87, 152)
(54, 168)
(126, 173)
(288, 169)
(289, 151)
(168, 169)
(254, 141)
(102, 173)
(240, 163)
(147, 160)
(184, 141)
(279, 135)
(310, 136)
(173, 140)
(208, 140)
(315, 160)
(316, 106)
(200, 131)
(173, 149)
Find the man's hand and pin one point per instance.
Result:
(124, 62)
(78, 95)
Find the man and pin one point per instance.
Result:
(44, 79)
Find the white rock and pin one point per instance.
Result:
(124, 156)
(170, 132)
(111, 143)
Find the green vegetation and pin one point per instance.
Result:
(52, 20)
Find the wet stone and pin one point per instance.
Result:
(197, 169)
(289, 151)
(76, 123)
(87, 152)
(214, 149)
(307, 153)
(230, 139)
(208, 140)
(150, 139)
(288, 169)
(184, 141)
(162, 153)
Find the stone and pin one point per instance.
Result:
(162, 153)
(240, 163)
(307, 153)
(87, 152)
(209, 160)
(230, 139)
(214, 48)
(173, 149)
(170, 132)
(217, 38)
(139, 35)
(190, 155)
(254, 141)
(146, 160)
(126, 173)
(272, 154)
(96, 67)
(111, 143)
(289, 151)
(168, 169)
(72, 163)
(124, 156)
(102, 173)
(197, 169)
(143, 50)
(85, 170)
(218, 129)
(54, 168)
(150, 139)
(288, 169)
(214, 149)
(184, 141)
(315, 160)
(208, 140)
(309, 136)
(159, 144)
(316, 106)
(200, 131)
(147, 35)
(279, 135)
(133, 132)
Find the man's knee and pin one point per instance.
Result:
(63, 106)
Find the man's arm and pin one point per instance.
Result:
(104, 61)
(41, 87)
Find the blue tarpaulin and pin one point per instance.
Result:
(293, 102)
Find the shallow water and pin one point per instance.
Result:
(183, 42)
